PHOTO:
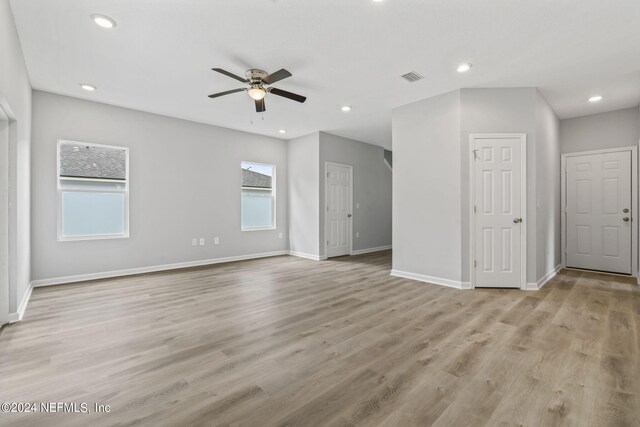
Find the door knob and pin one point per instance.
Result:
(348, 215)
(625, 210)
(517, 220)
(625, 219)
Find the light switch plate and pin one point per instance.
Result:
(216, 240)
(202, 241)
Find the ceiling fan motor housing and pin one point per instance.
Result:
(255, 75)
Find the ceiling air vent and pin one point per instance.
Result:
(412, 77)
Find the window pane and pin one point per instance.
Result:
(88, 161)
(258, 196)
(257, 211)
(90, 213)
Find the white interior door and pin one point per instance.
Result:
(338, 193)
(598, 211)
(4, 218)
(499, 230)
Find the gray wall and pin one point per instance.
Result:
(499, 110)
(548, 237)
(431, 187)
(600, 131)
(371, 190)
(15, 98)
(304, 181)
(184, 183)
(426, 187)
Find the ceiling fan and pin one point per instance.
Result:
(259, 85)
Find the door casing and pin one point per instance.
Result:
(634, 201)
(523, 203)
(350, 232)
(6, 216)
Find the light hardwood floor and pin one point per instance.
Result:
(291, 342)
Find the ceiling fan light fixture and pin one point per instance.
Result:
(257, 93)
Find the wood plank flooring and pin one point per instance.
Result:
(286, 341)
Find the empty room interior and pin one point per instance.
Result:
(319, 213)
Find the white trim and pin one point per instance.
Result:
(523, 203)
(350, 232)
(369, 250)
(151, 269)
(60, 191)
(635, 214)
(17, 316)
(8, 225)
(536, 286)
(307, 256)
(430, 279)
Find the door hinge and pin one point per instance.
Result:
(327, 208)
(327, 242)
(327, 174)
(475, 209)
(475, 263)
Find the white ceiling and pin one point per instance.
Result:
(158, 58)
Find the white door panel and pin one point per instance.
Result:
(598, 200)
(338, 190)
(498, 200)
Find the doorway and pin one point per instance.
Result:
(498, 204)
(599, 205)
(338, 209)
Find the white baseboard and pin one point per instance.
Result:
(140, 270)
(17, 316)
(369, 250)
(536, 286)
(430, 279)
(307, 256)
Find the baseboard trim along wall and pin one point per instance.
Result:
(536, 286)
(430, 279)
(152, 269)
(369, 250)
(17, 316)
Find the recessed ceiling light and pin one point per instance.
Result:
(346, 108)
(283, 131)
(377, 1)
(463, 68)
(88, 87)
(103, 21)
(595, 98)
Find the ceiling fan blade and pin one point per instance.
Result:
(260, 107)
(285, 94)
(228, 74)
(215, 95)
(277, 76)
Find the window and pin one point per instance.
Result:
(93, 191)
(258, 196)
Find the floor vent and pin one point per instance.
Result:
(412, 77)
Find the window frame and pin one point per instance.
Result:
(60, 191)
(273, 196)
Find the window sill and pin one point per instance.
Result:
(96, 237)
(258, 229)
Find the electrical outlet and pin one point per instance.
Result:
(194, 241)
(357, 234)
(279, 235)
(202, 241)
(216, 240)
